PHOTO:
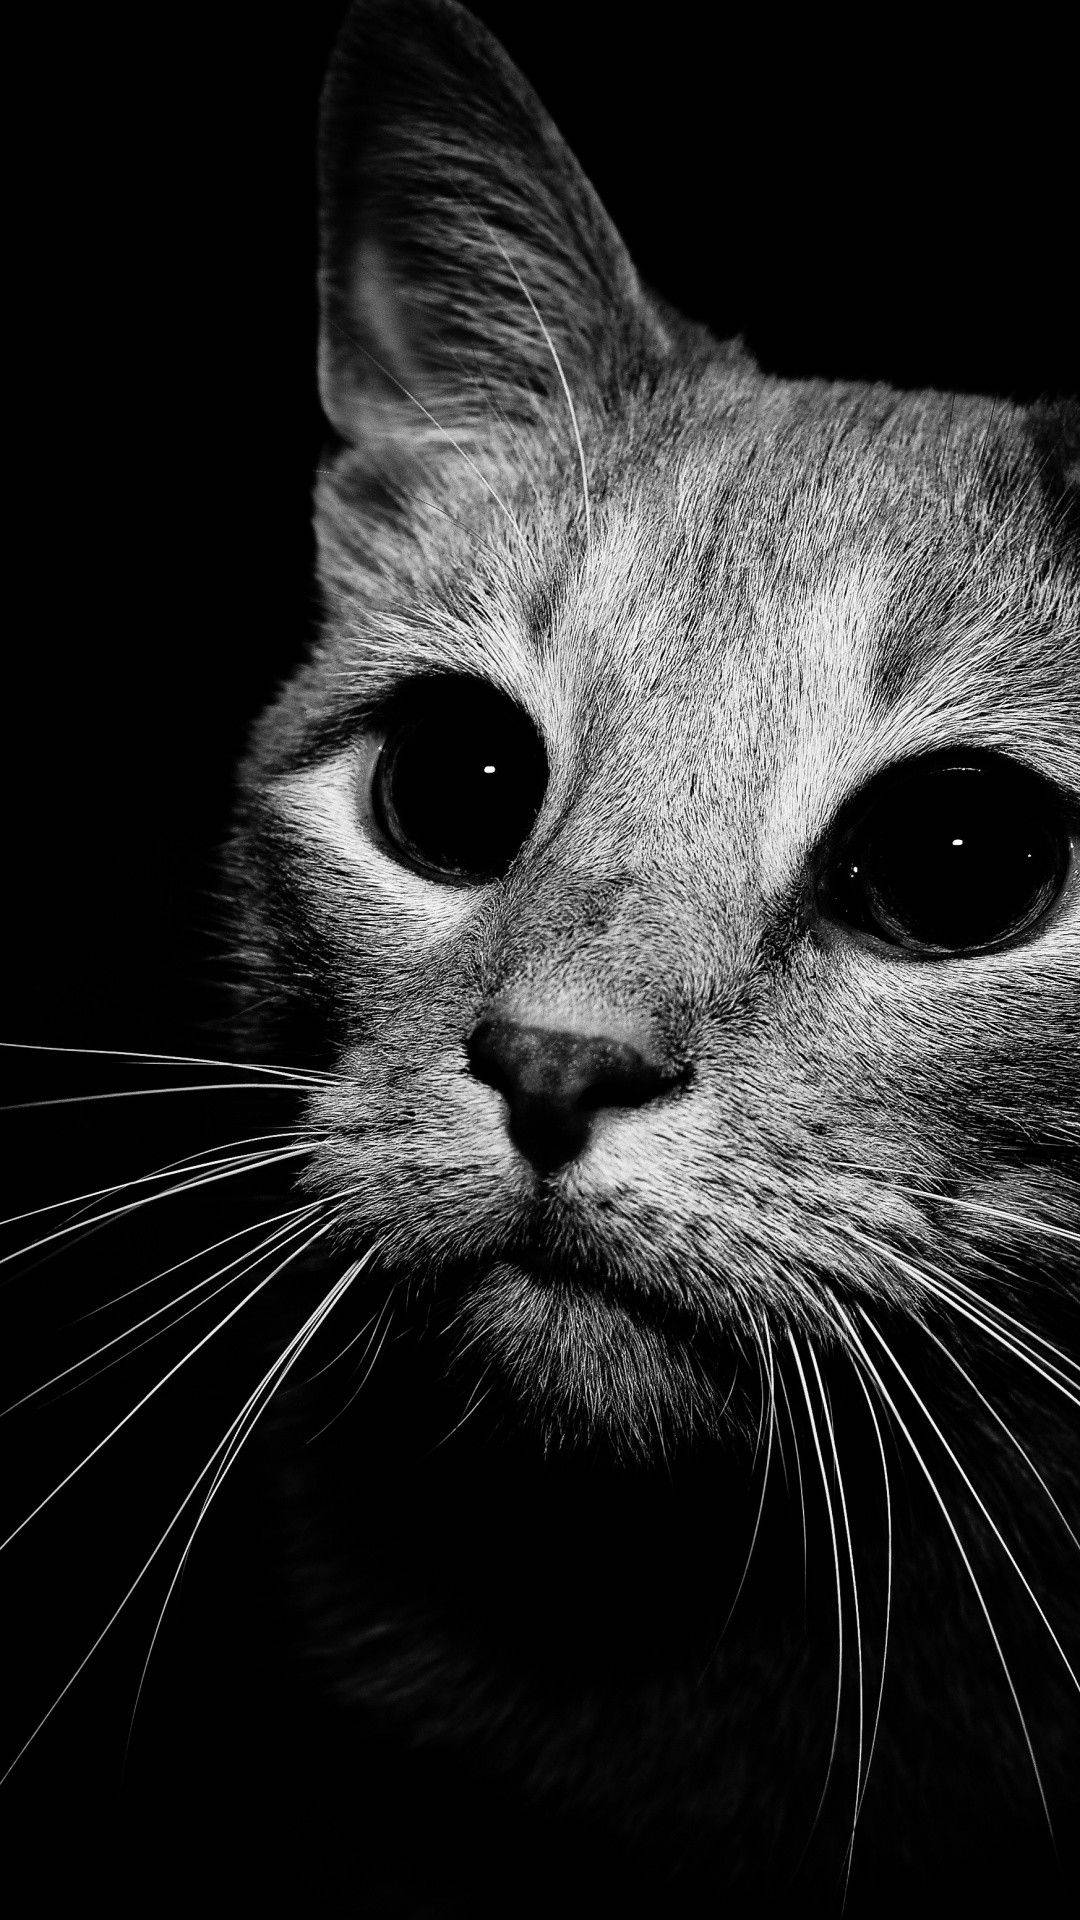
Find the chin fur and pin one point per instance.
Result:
(581, 1368)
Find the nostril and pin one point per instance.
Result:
(490, 1053)
(554, 1081)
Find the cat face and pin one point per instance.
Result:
(671, 840)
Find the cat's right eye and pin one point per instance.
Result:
(946, 856)
(459, 780)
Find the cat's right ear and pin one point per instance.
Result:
(467, 265)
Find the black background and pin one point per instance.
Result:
(885, 207)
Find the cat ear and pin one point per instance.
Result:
(466, 261)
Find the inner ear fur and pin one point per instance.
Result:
(449, 201)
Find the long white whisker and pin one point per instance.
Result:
(368, 1364)
(480, 1392)
(836, 1569)
(203, 1158)
(245, 1262)
(1028, 1333)
(237, 1434)
(861, 1347)
(307, 1075)
(1005, 1428)
(115, 1615)
(1012, 1343)
(765, 1404)
(163, 1382)
(353, 1341)
(248, 1165)
(888, 1576)
(998, 1213)
(976, 1496)
(201, 1253)
(1025, 1220)
(152, 1093)
(798, 1479)
(944, 1286)
(770, 1363)
(831, 1431)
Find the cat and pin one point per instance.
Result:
(661, 883)
(668, 852)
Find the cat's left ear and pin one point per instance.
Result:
(465, 257)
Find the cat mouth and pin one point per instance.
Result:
(588, 1358)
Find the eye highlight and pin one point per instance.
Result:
(949, 856)
(459, 780)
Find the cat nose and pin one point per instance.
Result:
(554, 1083)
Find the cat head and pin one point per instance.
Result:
(670, 842)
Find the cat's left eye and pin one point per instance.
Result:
(944, 857)
(459, 780)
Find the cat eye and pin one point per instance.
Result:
(459, 780)
(946, 857)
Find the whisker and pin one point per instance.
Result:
(368, 1364)
(306, 1075)
(188, 1162)
(765, 1405)
(236, 1436)
(1006, 1430)
(934, 1280)
(860, 1346)
(770, 1365)
(831, 1431)
(203, 1341)
(798, 1478)
(946, 1287)
(976, 1496)
(1012, 1343)
(888, 1577)
(115, 1615)
(230, 1172)
(353, 1341)
(472, 1405)
(163, 1273)
(1044, 1369)
(999, 1312)
(836, 1568)
(969, 1206)
(151, 1093)
(297, 1215)
(844, 1515)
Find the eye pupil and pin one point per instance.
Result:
(459, 780)
(946, 858)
